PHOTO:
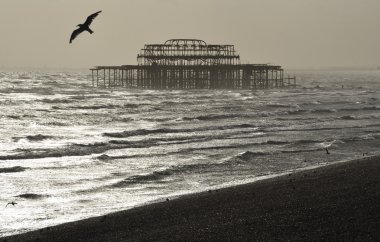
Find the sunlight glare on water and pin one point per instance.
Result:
(70, 151)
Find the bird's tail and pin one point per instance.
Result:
(90, 30)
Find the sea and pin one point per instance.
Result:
(70, 151)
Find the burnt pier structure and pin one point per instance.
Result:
(190, 64)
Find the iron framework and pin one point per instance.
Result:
(191, 64)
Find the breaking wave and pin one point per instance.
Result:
(160, 175)
(31, 196)
(301, 151)
(12, 169)
(70, 150)
(297, 111)
(249, 155)
(139, 132)
(38, 137)
(55, 100)
(323, 111)
(154, 176)
(372, 108)
(105, 106)
(348, 117)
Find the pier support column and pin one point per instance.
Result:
(92, 77)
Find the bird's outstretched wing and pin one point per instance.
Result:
(75, 34)
(12, 203)
(90, 18)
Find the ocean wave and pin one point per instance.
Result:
(101, 147)
(96, 107)
(24, 77)
(323, 110)
(187, 119)
(46, 77)
(212, 117)
(348, 117)
(38, 137)
(87, 97)
(146, 144)
(123, 119)
(280, 105)
(372, 125)
(14, 117)
(55, 100)
(105, 106)
(349, 109)
(158, 119)
(249, 155)
(306, 129)
(31, 196)
(371, 136)
(38, 90)
(12, 169)
(371, 108)
(275, 142)
(162, 174)
(307, 141)
(139, 132)
(178, 140)
(301, 151)
(246, 157)
(298, 111)
(104, 157)
(150, 177)
(70, 150)
(55, 123)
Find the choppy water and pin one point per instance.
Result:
(69, 151)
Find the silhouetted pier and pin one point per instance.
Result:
(191, 64)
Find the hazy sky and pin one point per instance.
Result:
(292, 33)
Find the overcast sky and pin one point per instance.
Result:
(292, 33)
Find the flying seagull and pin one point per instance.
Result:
(11, 203)
(84, 27)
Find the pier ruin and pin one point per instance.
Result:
(190, 64)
